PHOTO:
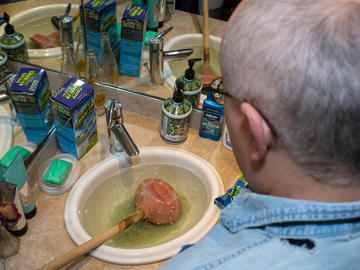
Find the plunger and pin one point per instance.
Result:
(206, 76)
(156, 201)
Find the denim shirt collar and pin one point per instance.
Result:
(249, 210)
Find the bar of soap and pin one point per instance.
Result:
(11, 154)
(57, 172)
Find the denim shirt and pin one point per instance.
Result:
(266, 232)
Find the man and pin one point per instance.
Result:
(291, 69)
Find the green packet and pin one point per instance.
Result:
(57, 172)
(231, 193)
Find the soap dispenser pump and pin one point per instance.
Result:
(192, 85)
(175, 122)
(13, 43)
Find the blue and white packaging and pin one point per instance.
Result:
(30, 93)
(74, 112)
(133, 27)
(212, 118)
(101, 17)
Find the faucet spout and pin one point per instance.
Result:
(177, 54)
(119, 138)
(158, 55)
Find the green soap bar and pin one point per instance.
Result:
(11, 154)
(57, 171)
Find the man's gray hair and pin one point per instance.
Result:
(298, 61)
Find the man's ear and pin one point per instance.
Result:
(260, 130)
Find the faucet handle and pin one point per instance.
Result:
(156, 42)
(114, 115)
(67, 10)
(163, 33)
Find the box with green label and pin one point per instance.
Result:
(74, 116)
(101, 17)
(30, 93)
(133, 27)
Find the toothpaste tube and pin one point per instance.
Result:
(231, 193)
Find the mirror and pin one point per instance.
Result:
(183, 23)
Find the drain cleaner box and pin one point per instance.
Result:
(133, 27)
(30, 93)
(74, 113)
(101, 17)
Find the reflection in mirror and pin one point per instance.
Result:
(41, 21)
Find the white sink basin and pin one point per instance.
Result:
(99, 190)
(174, 69)
(38, 21)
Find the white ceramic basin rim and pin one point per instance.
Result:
(148, 155)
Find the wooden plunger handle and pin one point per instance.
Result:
(206, 34)
(94, 242)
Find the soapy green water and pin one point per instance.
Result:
(143, 233)
(113, 201)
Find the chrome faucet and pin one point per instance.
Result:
(66, 28)
(158, 55)
(119, 138)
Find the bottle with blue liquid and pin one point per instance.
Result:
(212, 117)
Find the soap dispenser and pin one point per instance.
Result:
(13, 43)
(175, 122)
(192, 85)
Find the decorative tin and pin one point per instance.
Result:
(192, 90)
(13, 43)
(4, 66)
(175, 122)
(192, 85)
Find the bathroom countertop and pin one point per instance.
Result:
(183, 23)
(47, 237)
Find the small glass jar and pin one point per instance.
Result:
(68, 66)
(107, 62)
(80, 52)
(92, 76)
